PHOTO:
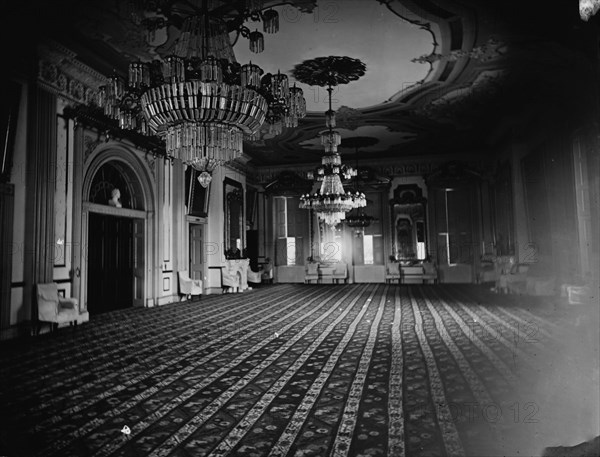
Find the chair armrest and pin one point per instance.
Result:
(185, 286)
(516, 277)
(47, 311)
(70, 303)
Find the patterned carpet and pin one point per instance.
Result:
(307, 370)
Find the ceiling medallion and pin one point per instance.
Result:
(199, 100)
(331, 203)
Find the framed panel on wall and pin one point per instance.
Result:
(251, 205)
(233, 210)
(502, 198)
(197, 197)
(9, 113)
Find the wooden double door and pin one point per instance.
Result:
(115, 263)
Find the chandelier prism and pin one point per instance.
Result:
(199, 100)
(331, 202)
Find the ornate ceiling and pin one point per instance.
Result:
(444, 78)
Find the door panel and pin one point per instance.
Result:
(196, 251)
(138, 262)
(252, 248)
(110, 263)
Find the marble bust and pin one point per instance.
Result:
(116, 198)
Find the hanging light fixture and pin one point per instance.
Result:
(587, 8)
(205, 167)
(199, 100)
(332, 202)
(271, 21)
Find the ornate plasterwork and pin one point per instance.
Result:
(459, 104)
(385, 168)
(60, 72)
(492, 49)
(349, 118)
(89, 144)
(265, 175)
(151, 162)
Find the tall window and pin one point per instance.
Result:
(291, 231)
(368, 243)
(331, 243)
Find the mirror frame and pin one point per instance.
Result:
(233, 189)
(412, 195)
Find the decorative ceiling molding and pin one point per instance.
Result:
(289, 183)
(460, 106)
(61, 73)
(349, 118)
(492, 49)
(240, 165)
(456, 172)
(385, 168)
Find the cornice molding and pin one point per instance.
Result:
(61, 73)
(390, 168)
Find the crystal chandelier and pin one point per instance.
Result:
(587, 8)
(332, 202)
(358, 219)
(199, 100)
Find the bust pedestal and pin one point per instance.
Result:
(239, 268)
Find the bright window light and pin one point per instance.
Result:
(291, 250)
(368, 250)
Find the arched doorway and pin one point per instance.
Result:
(116, 232)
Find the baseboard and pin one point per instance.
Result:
(167, 300)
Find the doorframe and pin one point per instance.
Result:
(202, 221)
(95, 208)
(139, 169)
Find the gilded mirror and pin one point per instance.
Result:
(233, 198)
(408, 218)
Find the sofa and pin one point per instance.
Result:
(529, 279)
(491, 267)
(340, 272)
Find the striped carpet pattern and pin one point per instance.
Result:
(285, 370)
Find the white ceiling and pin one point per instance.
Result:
(360, 29)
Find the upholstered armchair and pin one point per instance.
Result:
(189, 287)
(542, 278)
(312, 272)
(392, 272)
(254, 277)
(513, 277)
(229, 283)
(430, 272)
(54, 308)
(267, 271)
(487, 271)
(340, 272)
